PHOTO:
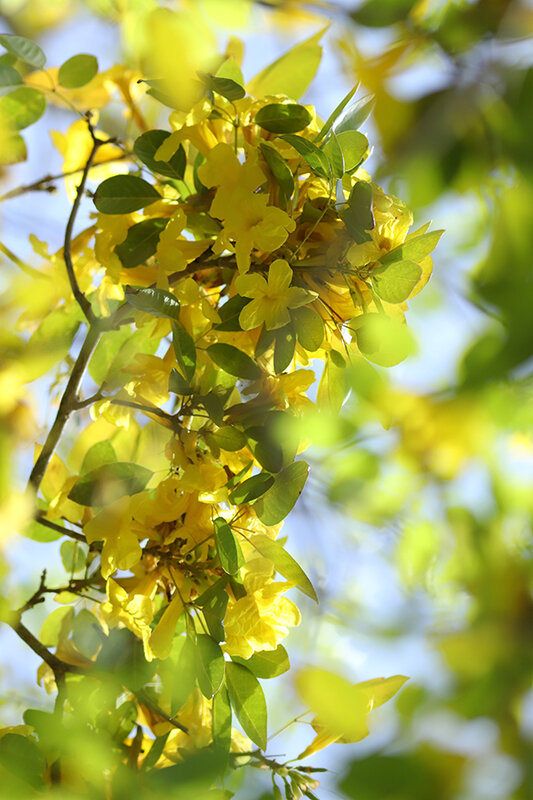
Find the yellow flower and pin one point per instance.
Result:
(252, 223)
(271, 300)
(392, 222)
(222, 168)
(261, 619)
(121, 548)
(135, 612)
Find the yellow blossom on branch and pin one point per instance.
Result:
(272, 298)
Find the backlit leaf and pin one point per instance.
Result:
(209, 665)
(284, 563)
(21, 108)
(284, 348)
(251, 488)
(315, 158)
(154, 301)
(280, 170)
(221, 720)
(77, 71)
(9, 76)
(266, 663)
(147, 144)
(234, 361)
(358, 216)
(185, 350)
(292, 73)
(100, 453)
(309, 327)
(395, 282)
(248, 702)
(414, 249)
(228, 548)
(23, 48)
(354, 145)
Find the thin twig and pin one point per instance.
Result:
(66, 406)
(60, 529)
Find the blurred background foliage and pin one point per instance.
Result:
(419, 514)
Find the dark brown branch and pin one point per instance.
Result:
(66, 406)
(58, 667)
(60, 529)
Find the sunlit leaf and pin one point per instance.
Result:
(234, 361)
(292, 73)
(285, 564)
(77, 71)
(315, 158)
(266, 663)
(251, 488)
(21, 108)
(209, 665)
(395, 282)
(228, 548)
(185, 350)
(221, 720)
(109, 482)
(413, 249)
(23, 48)
(283, 494)
(248, 702)
(283, 117)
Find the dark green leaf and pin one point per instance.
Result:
(145, 148)
(395, 282)
(358, 216)
(309, 328)
(209, 665)
(248, 702)
(229, 313)
(154, 301)
(283, 117)
(214, 406)
(266, 663)
(251, 488)
(221, 720)
(236, 478)
(155, 752)
(178, 384)
(281, 497)
(77, 71)
(280, 170)
(226, 87)
(123, 194)
(109, 482)
(141, 242)
(284, 563)
(9, 76)
(337, 359)
(354, 145)
(23, 48)
(413, 249)
(228, 548)
(229, 438)
(333, 151)
(100, 453)
(355, 115)
(265, 341)
(72, 556)
(284, 347)
(376, 14)
(21, 108)
(214, 612)
(185, 351)
(234, 361)
(315, 158)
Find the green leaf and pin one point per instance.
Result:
(155, 752)
(284, 347)
(22, 758)
(248, 702)
(358, 216)
(141, 242)
(229, 438)
(326, 127)
(332, 387)
(123, 194)
(105, 353)
(236, 478)
(315, 158)
(228, 548)
(72, 556)
(158, 302)
(226, 87)
(9, 76)
(333, 151)
(109, 482)
(337, 359)
(221, 720)
(234, 361)
(147, 144)
(309, 328)
(283, 118)
(376, 14)
(184, 350)
(292, 73)
(230, 69)
(354, 145)
(355, 115)
(214, 405)
(14, 149)
(77, 71)
(283, 562)
(209, 665)
(383, 340)
(184, 655)
(100, 453)
(39, 533)
(87, 634)
(21, 108)
(283, 494)
(280, 170)
(214, 612)
(23, 48)
(251, 488)
(178, 384)
(395, 282)
(414, 249)
(266, 663)
(229, 313)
